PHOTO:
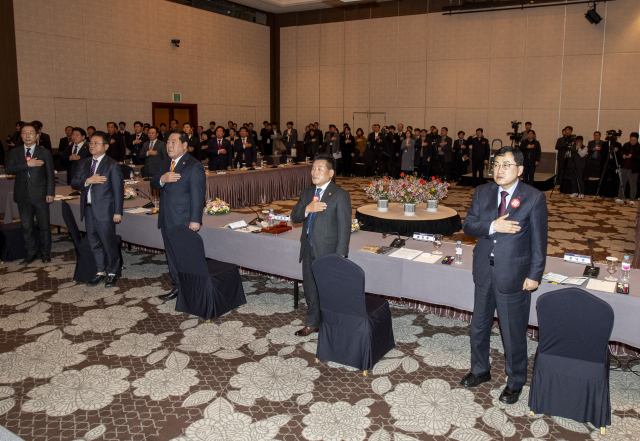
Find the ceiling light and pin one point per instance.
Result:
(593, 16)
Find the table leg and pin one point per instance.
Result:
(129, 246)
(295, 294)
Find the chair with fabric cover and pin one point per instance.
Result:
(85, 263)
(12, 241)
(355, 328)
(571, 370)
(208, 288)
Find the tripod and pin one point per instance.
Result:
(611, 152)
(564, 169)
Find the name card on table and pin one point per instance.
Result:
(577, 258)
(220, 172)
(281, 217)
(424, 237)
(130, 182)
(280, 165)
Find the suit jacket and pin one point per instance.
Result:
(426, 151)
(194, 142)
(212, 149)
(249, 152)
(116, 150)
(531, 155)
(181, 202)
(328, 148)
(347, 148)
(447, 148)
(461, 150)
(291, 140)
(331, 227)
(40, 180)
(517, 256)
(394, 147)
(125, 136)
(44, 140)
(152, 162)
(106, 198)
(136, 148)
(64, 143)
(72, 166)
(480, 149)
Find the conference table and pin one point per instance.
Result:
(446, 285)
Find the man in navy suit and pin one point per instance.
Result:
(219, 151)
(181, 181)
(244, 148)
(136, 141)
(509, 218)
(99, 178)
(74, 152)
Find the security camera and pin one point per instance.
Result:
(176, 43)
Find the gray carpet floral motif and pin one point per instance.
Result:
(80, 363)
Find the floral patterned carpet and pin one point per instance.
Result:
(80, 363)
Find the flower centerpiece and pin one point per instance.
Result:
(436, 191)
(216, 207)
(378, 190)
(410, 190)
(355, 225)
(129, 193)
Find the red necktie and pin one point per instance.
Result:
(502, 208)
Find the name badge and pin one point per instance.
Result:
(281, 217)
(423, 237)
(577, 258)
(130, 182)
(219, 172)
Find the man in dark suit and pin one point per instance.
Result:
(290, 137)
(44, 140)
(136, 141)
(181, 182)
(219, 151)
(348, 149)
(324, 210)
(212, 130)
(162, 134)
(153, 153)
(422, 158)
(173, 127)
(462, 155)
(445, 154)
(229, 126)
(563, 146)
(480, 151)
(509, 219)
(116, 150)
(65, 141)
(123, 132)
(253, 134)
(531, 151)
(595, 156)
(376, 141)
(194, 144)
(73, 153)
(99, 178)
(33, 190)
(245, 150)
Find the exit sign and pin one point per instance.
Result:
(176, 97)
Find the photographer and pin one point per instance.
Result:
(595, 159)
(611, 158)
(563, 146)
(575, 166)
(629, 168)
(531, 151)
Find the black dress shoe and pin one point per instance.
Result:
(471, 380)
(96, 280)
(28, 260)
(306, 331)
(510, 396)
(172, 295)
(46, 258)
(111, 281)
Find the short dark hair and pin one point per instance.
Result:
(212, 123)
(598, 132)
(265, 122)
(243, 128)
(579, 138)
(163, 124)
(147, 125)
(331, 161)
(138, 123)
(37, 123)
(480, 129)
(91, 127)
(122, 123)
(219, 128)
(102, 135)
(359, 129)
(187, 124)
(172, 120)
(29, 125)
(184, 138)
(634, 135)
(517, 154)
(111, 122)
(80, 130)
(274, 123)
(532, 131)
(290, 122)
(200, 127)
(528, 122)
(392, 127)
(19, 123)
(461, 132)
(446, 129)
(568, 127)
(69, 127)
(154, 128)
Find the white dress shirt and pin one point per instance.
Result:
(97, 165)
(323, 188)
(507, 199)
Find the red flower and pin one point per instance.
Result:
(402, 175)
(404, 186)
(422, 182)
(439, 180)
(386, 178)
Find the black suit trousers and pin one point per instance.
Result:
(28, 208)
(310, 288)
(529, 173)
(513, 314)
(104, 245)
(477, 168)
(171, 261)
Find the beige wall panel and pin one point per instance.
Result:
(331, 115)
(130, 22)
(584, 122)
(155, 77)
(474, 36)
(34, 64)
(384, 37)
(390, 116)
(96, 20)
(626, 120)
(412, 38)
(287, 114)
(441, 117)
(240, 115)
(500, 124)
(473, 84)
(545, 123)
(471, 119)
(263, 114)
(620, 88)
(542, 82)
(205, 30)
(131, 111)
(40, 108)
(357, 41)
(384, 84)
(129, 74)
(28, 12)
(308, 89)
(623, 29)
(306, 115)
(508, 33)
(163, 17)
(213, 112)
(66, 17)
(348, 118)
(69, 112)
(331, 44)
(506, 83)
(581, 82)
(99, 112)
(210, 77)
(309, 45)
(545, 31)
(442, 37)
(581, 37)
(356, 85)
(409, 117)
(288, 87)
(412, 77)
(332, 86)
(442, 77)
(68, 74)
(288, 47)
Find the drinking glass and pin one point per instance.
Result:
(612, 263)
(437, 243)
(155, 202)
(137, 175)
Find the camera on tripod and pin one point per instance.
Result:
(613, 135)
(515, 135)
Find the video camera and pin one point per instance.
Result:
(515, 135)
(613, 135)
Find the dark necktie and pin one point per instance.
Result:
(502, 208)
(219, 145)
(28, 157)
(94, 162)
(312, 217)
(75, 149)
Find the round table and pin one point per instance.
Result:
(445, 221)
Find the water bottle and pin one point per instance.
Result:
(625, 267)
(272, 221)
(238, 165)
(459, 253)
(131, 175)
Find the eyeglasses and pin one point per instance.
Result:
(505, 166)
(97, 143)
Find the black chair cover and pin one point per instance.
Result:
(85, 263)
(12, 241)
(355, 329)
(571, 370)
(208, 288)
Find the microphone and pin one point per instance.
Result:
(591, 270)
(397, 243)
(257, 219)
(150, 204)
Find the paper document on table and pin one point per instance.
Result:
(601, 285)
(427, 258)
(577, 281)
(136, 210)
(248, 229)
(62, 198)
(406, 253)
(554, 277)
(236, 225)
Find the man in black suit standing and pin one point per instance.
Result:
(44, 140)
(480, 151)
(290, 138)
(99, 178)
(123, 132)
(219, 151)
(116, 150)
(65, 141)
(136, 141)
(73, 153)
(324, 210)
(245, 150)
(212, 130)
(33, 190)
(181, 182)
(194, 144)
(153, 153)
(445, 154)
(510, 221)
(422, 158)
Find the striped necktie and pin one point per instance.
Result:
(312, 217)
(94, 163)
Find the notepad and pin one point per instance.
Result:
(555, 277)
(576, 281)
(427, 258)
(137, 210)
(601, 285)
(406, 254)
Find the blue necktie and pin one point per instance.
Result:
(94, 162)
(312, 218)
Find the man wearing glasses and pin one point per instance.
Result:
(509, 218)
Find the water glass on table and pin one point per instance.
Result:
(612, 267)
(437, 243)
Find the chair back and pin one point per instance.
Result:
(340, 285)
(188, 250)
(575, 324)
(70, 221)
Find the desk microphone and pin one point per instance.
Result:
(591, 270)
(150, 204)
(397, 243)
(60, 180)
(257, 219)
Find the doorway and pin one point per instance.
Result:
(165, 112)
(365, 120)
